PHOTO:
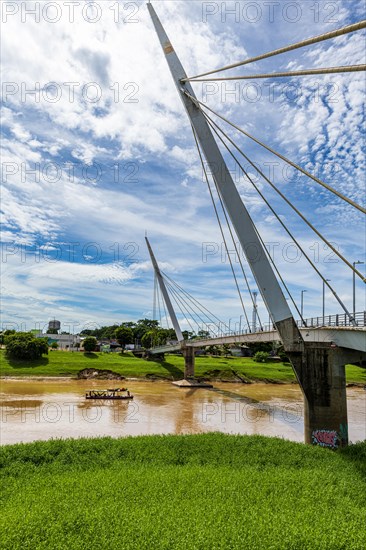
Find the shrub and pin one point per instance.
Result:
(261, 357)
(25, 346)
(282, 355)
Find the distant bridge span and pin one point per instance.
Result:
(350, 338)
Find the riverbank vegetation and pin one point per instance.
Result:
(62, 363)
(209, 491)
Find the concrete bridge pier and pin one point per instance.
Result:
(321, 373)
(189, 381)
(188, 354)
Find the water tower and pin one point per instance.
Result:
(53, 327)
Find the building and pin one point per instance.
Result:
(69, 342)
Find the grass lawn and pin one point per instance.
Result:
(59, 363)
(201, 492)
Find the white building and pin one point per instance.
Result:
(64, 341)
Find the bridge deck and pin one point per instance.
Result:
(344, 337)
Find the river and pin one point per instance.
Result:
(56, 408)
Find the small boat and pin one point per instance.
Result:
(117, 393)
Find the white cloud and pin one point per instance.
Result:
(160, 186)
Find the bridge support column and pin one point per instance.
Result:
(188, 354)
(188, 380)
(321, 373)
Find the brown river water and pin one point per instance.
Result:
(43, 409)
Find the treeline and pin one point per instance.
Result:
(146, 332)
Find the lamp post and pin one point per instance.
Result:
(254, 317)
(270, 322)
(354, 286)
(240, 323)
(324, 281)
(302, 306)
(211, 328)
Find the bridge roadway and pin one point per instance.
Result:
(352, 338)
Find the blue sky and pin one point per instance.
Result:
(103, 152)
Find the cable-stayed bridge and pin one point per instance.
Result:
(318, 351)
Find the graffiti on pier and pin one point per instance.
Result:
(325, 438)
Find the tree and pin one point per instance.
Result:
(213, 350)
(148, 323)
(90, 343)
(157, 337)
(6, 333)
(87, 332)
(143, 326)
(54, 345)
(129, 324)
(107, 332)
(165, 334)
(124, 336)
(203, 334)
(150, 339)
(226, 349)
(25, 346)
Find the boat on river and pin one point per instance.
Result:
(117, 393)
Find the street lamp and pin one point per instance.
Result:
(254, 317)
(302, 306)
(354, 286)
(270, 322)
(240, 323)
(324, 281)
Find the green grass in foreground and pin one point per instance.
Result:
(59, 363)
(211, 491)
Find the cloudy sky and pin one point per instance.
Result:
(97, 150)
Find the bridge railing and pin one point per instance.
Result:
(339, 320)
